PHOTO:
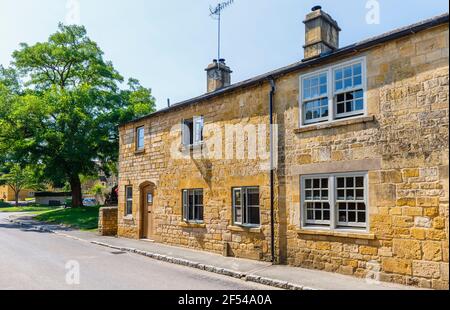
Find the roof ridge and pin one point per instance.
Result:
(366, 43)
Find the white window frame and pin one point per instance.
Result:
(197, 131)
(332, 94)
(318, 97)
(244, 206)
(334, 224)
(138, 146)
(185, 205)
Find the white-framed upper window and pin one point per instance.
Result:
(192, 131)
(140, 138)
(333, 93)
(334, 201)
(246, 208)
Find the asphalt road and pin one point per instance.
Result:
(34, 260)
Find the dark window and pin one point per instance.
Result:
(129, 200)
(246, 208)
(140, 138)
(193, 205)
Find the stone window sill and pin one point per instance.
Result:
(192, 147)
(335, 124)
(336, 233)
(249, 229)
(128, 218)
(192, 225)
(139, 152)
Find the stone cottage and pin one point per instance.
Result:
(338, 162)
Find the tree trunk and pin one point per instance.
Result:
(16, 196)
(75, 185)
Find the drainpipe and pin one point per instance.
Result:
(272, 167)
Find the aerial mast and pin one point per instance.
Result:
(216, 13)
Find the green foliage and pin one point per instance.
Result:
(65, 116)
(98, 189)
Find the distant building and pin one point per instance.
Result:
(7, 194)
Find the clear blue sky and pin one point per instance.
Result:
(166, 44)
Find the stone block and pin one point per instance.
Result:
(397, 265)
(404, 248)
(432, 251)
(430, 270)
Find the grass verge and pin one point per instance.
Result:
(33, 209)
(85, 218)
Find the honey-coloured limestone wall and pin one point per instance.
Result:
(402, 143)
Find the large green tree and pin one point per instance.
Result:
(65, 115)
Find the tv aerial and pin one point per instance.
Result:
(216, 13)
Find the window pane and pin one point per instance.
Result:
(357, 80)
(317, 195)
(199, 198)
(326, 215)
(307, 94)
(341, 194)
(349, 182)
(318, 215)
(310, 215)
(308, 195)
(359, 105)
(359, 194)
(316, 183)
(357, 69)
(338, 74)
(349, 106)
(350, 194)
(308, 183)
(253, 216)
(352, 217)
(361, 217)
(237, 197)
(360, 182)
(361, 207)
(341, 182)
(347, 72)
(129, 192)
(253, 197)
(199, 213)
(342, 216)
(238, 214)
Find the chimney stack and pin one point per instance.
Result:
(218, 75)
(322, 33)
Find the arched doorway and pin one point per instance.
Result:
(147, 198)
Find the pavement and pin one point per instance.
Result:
(243, 270)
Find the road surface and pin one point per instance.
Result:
(34, 260)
